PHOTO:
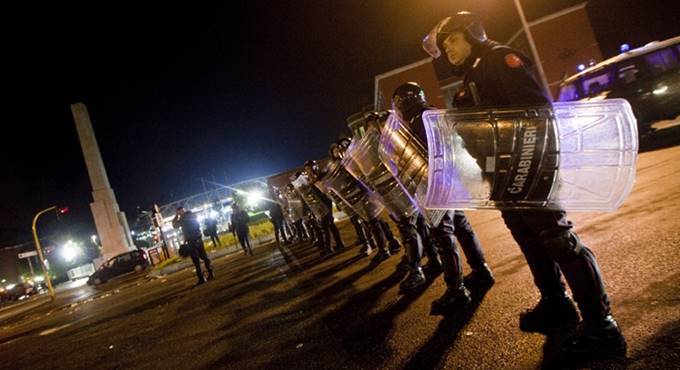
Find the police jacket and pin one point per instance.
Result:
(275, 212)
(239, 221)
(417, 127)
(498, 75)
(191, 228)
(211, 226)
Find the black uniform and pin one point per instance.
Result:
(501, 76)
(276, 217)
(211, 231)
(454, 225)
(327, 223)
(191, 230)
(239, 223)
(495, 76)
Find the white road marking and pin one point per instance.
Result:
(52, 330)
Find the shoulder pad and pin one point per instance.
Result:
(508, 57)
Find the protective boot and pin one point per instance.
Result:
(382, 255)
(594, 341)
(415, 280)
(433, 267)
(454, 299)
(551, 314)
(480, 278)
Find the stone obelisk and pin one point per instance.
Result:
(111, 223)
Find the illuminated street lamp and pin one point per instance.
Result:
(253, 197)
(60, 211)
(70, 251)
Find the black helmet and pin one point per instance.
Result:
(310, 163)
(375, 116)
(344, 142)
(332, 149)
(408, 100)
(313, 165)
(464, 22)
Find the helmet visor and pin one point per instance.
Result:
(430, 42)
(430, 45)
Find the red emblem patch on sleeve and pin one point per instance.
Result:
(513, 61)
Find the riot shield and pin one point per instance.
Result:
(314, 202)
(339, 181)
(295, 208)
(406, 159)
(363, 162)
(578, 156)
(281, 199)
(341, 204)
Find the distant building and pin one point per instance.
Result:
(564, 40)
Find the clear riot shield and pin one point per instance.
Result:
(341, 204)
(295, 208)
(363, 162)
(283, 202)
(339, 181)
(577, 156)
(315, 204)
(405, 157)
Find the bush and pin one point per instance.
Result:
(168, 262)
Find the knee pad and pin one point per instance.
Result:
(561, 245)
(444, 244)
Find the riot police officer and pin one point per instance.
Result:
(187, 221)
(298, 229)
(495, 75)
(327, 223)
(376, 228)
(410, 227)
(360, 228)
(409, 102)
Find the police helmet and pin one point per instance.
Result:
(344, 142)
(331, 151)
(313, 166)
(407, 98)
(464, 22)
(375, 116)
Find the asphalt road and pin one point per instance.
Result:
(289, 309)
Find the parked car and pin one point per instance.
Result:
(133, 261)
(648, 77)
(17, 291)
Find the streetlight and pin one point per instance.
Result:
(253, 197)
(70, 251)
(60, 211)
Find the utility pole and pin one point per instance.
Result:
(534, 50)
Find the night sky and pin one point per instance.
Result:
(243, 89)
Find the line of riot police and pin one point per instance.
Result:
(386, 169)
